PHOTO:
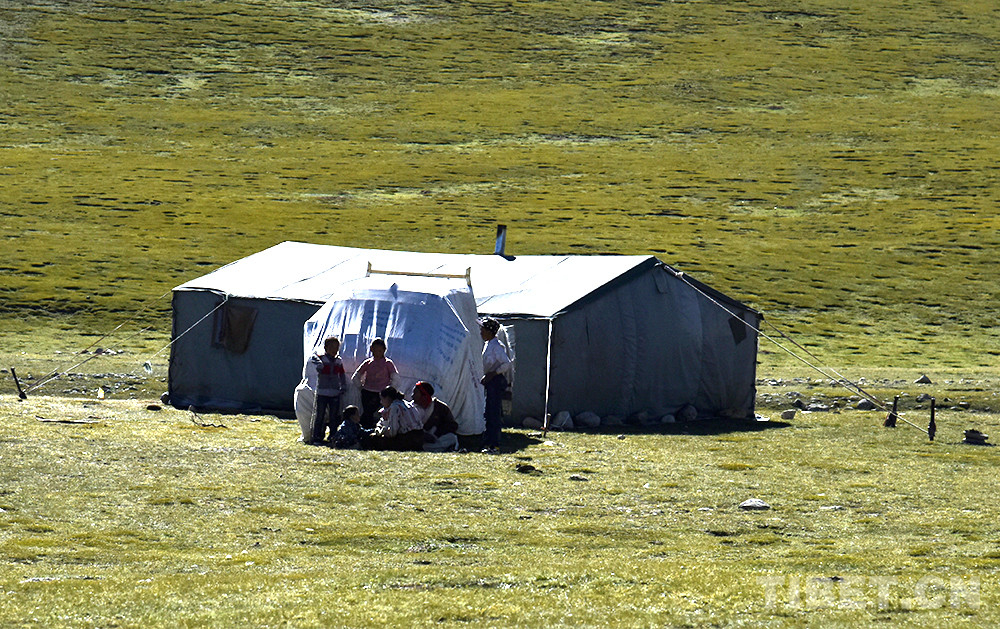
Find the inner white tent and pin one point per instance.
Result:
(431, 329)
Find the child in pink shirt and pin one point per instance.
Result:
(374, 375)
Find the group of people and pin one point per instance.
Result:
(386, 420)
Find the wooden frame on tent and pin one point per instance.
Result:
(467, 276)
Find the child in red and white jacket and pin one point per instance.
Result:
(331, 385)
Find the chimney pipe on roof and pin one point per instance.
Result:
(502, 243)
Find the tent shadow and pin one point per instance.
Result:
(517, 441)
(706, 427)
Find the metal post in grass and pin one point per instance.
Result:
(20, 392)
(932, 427)
(890, 419)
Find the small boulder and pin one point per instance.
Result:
(527, 468)
(637, 419)
(562, 421)
(923, 380)
(533, 423)
(789, 414)
(668, 419)
(976, 438)
(865, 405)
(754, 504)
(688, 413)
(578, 477)
(612, 420)
(651, 420)
(587, 419)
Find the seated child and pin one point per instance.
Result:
(350, 431)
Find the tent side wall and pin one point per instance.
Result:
(256, 372)
(651, 343)
(729, 363)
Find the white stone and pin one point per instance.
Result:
(754, 504)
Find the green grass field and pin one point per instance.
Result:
(832, 164)
(141, 517)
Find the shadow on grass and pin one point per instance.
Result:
(707, 427)
(517, 441)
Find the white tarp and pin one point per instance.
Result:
(430, 326)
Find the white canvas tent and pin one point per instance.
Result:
(607, 334)
(430, 326)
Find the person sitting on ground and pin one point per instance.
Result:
(439, 422)
(401, 426)
(331, 385)
(371, 376)
(350, 432)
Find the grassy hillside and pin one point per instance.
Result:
(831, 163)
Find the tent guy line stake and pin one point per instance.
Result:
(840, 380)
(20, 393)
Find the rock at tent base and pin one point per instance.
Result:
(612, 420)
(638, 418)
(668, 419)
(789, 414)
(687, 414)
(923, 380)
(531, 422)
(651, 420)
(562, 421)
(587, 419)
(754, 504)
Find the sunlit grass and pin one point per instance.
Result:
(141, 516)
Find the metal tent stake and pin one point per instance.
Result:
(20, 392)
(932, 427)
(890, 419)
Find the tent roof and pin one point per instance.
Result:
(526, 285)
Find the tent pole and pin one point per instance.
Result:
(548, 382)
